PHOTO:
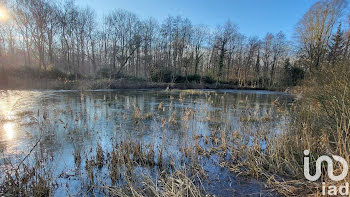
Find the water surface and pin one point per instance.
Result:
(63, 121)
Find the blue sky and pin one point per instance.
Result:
(254, 17)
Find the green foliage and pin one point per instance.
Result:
(292, 74)
(336, 46)
(194, 78)
(190, 78)
(208, 80)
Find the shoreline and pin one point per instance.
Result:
(120, 84)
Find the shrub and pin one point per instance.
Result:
(208, 80)
(320, 118)
(194, 78)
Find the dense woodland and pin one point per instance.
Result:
(60, 39)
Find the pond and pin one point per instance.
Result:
(60, 132)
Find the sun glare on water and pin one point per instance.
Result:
(3, 15)
(9, 129)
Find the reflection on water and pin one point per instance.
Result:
(9, 129)
(69, 119)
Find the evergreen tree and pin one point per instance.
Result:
(292, 74)
(336, 47)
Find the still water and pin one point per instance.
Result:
(60, 122)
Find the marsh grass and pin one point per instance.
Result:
(28, 179)
(320, 122)
(174, 184)
(77, 156)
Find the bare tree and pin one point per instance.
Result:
(124, 28)
(315, 28)
(224, 35)
(200, 36)
(279, 51)
(68, 38)
(150, 29)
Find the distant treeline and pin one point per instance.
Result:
(46, 38)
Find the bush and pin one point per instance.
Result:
(208, 80)
(194, 78)
(320, 118)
